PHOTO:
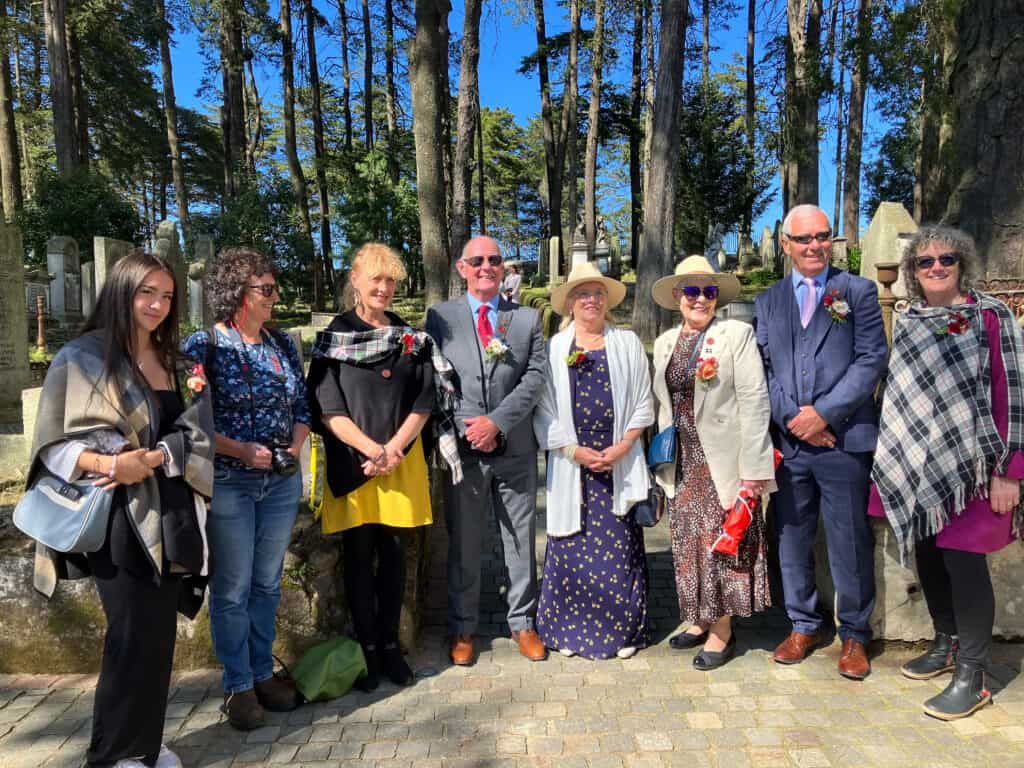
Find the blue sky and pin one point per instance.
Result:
(506, 36)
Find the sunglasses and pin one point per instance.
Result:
(593, 295)
(821, 237)
(693, 292)
(945, 259)
(477, 261)
(267, 289)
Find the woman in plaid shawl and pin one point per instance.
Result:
(372, 381)
(113, 409)
(949, 460)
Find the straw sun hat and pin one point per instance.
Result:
(585, 272)
(695, 266)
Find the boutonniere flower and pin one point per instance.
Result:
(837, 308)
(707, 370)
(958, 323)
(196, 380)
(408, 343)
(496, 349)
(576, 359)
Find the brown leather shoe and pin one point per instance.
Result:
(462, 651)
(795, 648)
(530, 644)
(243, 710)
(853, 660)
(278, 694)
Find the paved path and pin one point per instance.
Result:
(651, 710)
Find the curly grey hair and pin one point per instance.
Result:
(228, 278)
(957, 240)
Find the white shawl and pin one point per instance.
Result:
(628, 371)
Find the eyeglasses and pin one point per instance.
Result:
(692, 292)
(945, 259)
(583, 295)
(267, 289)
(821, 237)
(477, 261)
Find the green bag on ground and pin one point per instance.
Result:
(327, 670)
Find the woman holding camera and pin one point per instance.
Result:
(261, 419)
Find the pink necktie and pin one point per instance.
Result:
(809, 304)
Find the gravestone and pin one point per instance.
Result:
(66, 286)
(88, 287)
(780, 261)
(199, 313)
(554, 267)
(746, 256)
(840, 257)
(167, 245)
(106, 253)
(885, 241)
(14, 375)
(766, 249)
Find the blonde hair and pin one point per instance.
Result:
(373, 259)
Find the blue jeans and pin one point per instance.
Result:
(249, 528)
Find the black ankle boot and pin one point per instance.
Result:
(371, 679)
(394, 665)
(965, 693)
(940, 657)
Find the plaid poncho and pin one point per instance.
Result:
(371, 346)
(938, 444)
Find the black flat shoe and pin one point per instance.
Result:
(965, 693)
(369, 682)
(685, 640)
(940, 657)
(394, 665)
(708, 660)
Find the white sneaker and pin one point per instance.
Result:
(626, 652)
(566, 652)
(167, 759)
(129, 762)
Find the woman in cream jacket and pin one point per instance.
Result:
(709, 383)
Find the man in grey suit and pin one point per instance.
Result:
(499, 356)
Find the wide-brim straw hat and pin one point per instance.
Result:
(695, 266)
(586, 272)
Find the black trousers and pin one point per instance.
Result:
(138, 653)
(958, 590)
(374, 593)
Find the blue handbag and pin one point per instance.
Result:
(66, 517)
(663, 449)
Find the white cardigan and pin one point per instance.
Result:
(629, 374)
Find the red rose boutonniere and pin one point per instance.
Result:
(576, 359)
(958, 324)
(408, 343)
(707, 370)
(837, 308)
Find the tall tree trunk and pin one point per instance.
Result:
(570, 119)
(346, 75)
(635, 107)
(233, 111)
(25, 103)
(940, 183)
(61, 95)
(321, 270)
(171, 124)
(594, 117)
(78, 95)
(986, 164)
(705, 47)
(552, 168)
(465, 131)
(391, 107)
(750, 124)
(803, 49)
(649, 92)
(10, 161)
(658, 251)
(254, 116)
(837, 45)
(367, 76)
(294, 166)
(429, 52)
(855, 126)
(481, 182)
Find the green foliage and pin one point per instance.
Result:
(82, 206)
(758, 277)
(853, 260)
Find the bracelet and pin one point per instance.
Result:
(113, 467)
(167, 455)
(569, 452)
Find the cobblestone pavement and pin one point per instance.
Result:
(651, 710)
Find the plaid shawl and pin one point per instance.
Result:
(938, 444)
(81, 402)
(371, 346)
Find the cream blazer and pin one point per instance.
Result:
(731, 411)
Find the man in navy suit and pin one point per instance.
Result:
(823, 343)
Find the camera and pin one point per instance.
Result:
(283, 462)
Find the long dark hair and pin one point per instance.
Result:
(115, 316)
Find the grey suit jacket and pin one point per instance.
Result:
(504, 390)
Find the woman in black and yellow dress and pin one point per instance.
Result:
(372, 382)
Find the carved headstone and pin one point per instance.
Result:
(106, 253)
(88, 287)
(554, 268)
(766, 249)
(66, 286)
(14, 374)
(167, 245)
(840, 258)
(199, 312)
(885, 241)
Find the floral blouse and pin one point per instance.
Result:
(259, 390)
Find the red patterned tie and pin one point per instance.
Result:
(483, 325)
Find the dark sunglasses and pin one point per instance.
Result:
(821, 237)
(476, 261)
(945, 259)
(691, 292)
(267, 289)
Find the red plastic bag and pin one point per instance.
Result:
(738, 519)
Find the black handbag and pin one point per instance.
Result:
(648, 512)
